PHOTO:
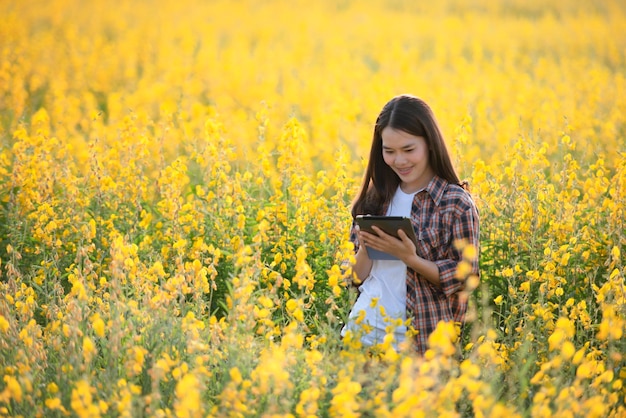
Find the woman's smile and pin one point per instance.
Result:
(404, 171)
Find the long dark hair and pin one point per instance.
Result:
(412, 115)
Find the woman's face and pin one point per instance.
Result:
(407, 155)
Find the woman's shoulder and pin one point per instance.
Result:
(458, 196)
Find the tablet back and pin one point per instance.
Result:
(390, 225)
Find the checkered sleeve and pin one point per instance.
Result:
(465, 227)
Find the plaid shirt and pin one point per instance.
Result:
(441, 214)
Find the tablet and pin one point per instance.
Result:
(390, 225)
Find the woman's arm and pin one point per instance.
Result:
(362, 265)
(429, 270)
(465, 230)
(404, 249)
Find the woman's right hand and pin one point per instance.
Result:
(363, 264)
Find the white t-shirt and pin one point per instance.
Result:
(387, 282)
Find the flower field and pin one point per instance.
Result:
(175, 185)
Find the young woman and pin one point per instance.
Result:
(410, 174)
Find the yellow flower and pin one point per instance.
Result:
(235, 375)
(13, 389)
(98, 325)
(616, 253)
(308, 403)
(53, 403)
(266, 302)
(525, 286)
(584, 370)
(299, 315)
(291, 305)
(578, 356)
(470, 252)
(568, 350)
(4, 324)
(188, 397)
(443, 338)
(463, 268)
(52, 388)
(89, 349)
(507, 272)
(82, 400)
(566, 325)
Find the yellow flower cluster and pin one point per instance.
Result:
(175, 186)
